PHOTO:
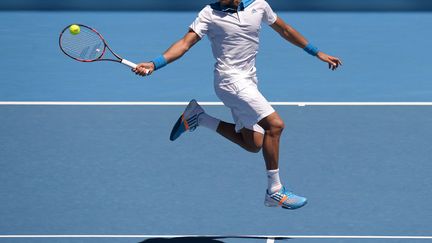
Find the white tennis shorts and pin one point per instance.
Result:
(248, 106)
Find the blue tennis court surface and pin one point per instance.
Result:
(111, 170)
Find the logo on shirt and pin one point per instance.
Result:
(254, 11)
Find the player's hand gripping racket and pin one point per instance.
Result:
(87, 45)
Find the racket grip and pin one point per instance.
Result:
(131, 64)
(128, 63)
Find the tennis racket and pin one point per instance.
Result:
(88, 46)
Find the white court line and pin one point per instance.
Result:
(144, 103)
(268, 237)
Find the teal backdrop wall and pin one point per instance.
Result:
(193, 5)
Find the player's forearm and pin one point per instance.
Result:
(176, 51)
(289, 33)
(293, 36)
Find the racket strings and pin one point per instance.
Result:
(87, 45)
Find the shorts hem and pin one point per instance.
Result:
(253, 126)
(264, 115)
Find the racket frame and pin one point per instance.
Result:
(100, 58)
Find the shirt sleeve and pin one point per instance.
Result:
(269, 16)
(201, 24)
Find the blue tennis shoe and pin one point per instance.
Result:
(188, 121)
(284, 199)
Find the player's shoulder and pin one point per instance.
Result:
(261, 2)
(208, 7)
(214, 6)
(206, 10)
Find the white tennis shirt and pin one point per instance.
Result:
(234, 36)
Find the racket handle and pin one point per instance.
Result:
(131, 64)
(128, 63)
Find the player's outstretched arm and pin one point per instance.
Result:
(293, 36)
(177, 50)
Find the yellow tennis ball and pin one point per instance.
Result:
(74, 29)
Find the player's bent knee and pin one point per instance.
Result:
(253, 141)
(254, 148)
(276, 127)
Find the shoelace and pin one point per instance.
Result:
(287, 192)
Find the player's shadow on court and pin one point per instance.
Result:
(198, 239)
(184, 240)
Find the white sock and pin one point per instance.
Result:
(274, 183)
(208, 121)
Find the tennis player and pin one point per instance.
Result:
(233, 28)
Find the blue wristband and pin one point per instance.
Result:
(159, 62)
(311, 49)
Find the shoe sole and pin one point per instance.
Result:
(293, 208)
(176, 132)
(284, 207)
